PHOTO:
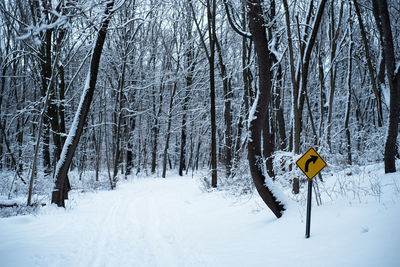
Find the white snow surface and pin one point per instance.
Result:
(171, 222)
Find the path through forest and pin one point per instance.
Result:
(171, 222)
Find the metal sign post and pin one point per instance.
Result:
(308, 218)
(311, 163)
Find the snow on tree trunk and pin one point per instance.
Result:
(62, 186)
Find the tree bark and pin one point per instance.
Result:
(211, 14)
(155, 130)
(228, 95)
(45, 57)
(118, 112)
(375, 86)
(129, 151)
(245, 58)
(259, 125)
(277, 105)
(182, 155)
(333, 36)
(60, 192)
(165, 154)
(298, 89)
(348, 106)
(381, 14)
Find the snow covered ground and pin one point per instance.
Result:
(171, 222)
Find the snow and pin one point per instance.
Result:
(252, 112)
(397, 69)
(33, 30)
(171, 222)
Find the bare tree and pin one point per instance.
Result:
(260, 144)
(348, 104)
(375, 85)
(210, 54)
(60, 192)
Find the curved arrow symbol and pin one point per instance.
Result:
(312, 159)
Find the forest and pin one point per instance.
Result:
(103, 90)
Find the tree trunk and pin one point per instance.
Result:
(3, 84)
(46, 72)
(165, 154)
(129, 151)
(375, 86)
(211, 15)
(36, 149)
(228, 95)
(279, 129)
(118, 112)
(322, 97)
(333, 36)
(259, 120)
(348, 106)
(97, 149)
(246, 57)
(60, 192)
(298, 89)
(182, 155)
(381, 14)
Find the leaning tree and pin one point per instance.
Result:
(260, 144)
(62, 186)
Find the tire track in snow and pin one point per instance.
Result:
(102, 236)
(119, 238)
(139, 224)
(164, 255)
(163, 226)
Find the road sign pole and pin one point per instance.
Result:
(310, 164)
(308, 219)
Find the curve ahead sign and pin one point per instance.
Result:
(311, 163)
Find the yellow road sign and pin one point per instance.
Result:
(311, 163)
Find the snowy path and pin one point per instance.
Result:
(170, 222)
